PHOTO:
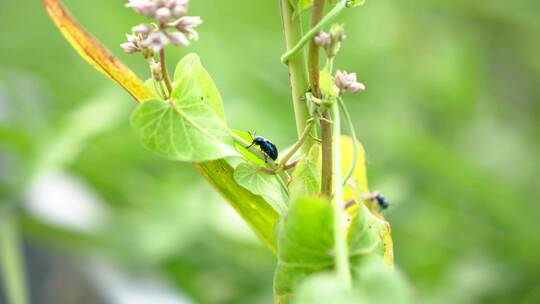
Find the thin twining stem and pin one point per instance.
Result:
(340, 235)
(354, 141)
(298, 144)
(314, 30)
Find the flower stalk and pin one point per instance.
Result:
(165, 73)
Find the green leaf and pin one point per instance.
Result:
(305, 244)
(301, 6)
(373, 283)
(263, 184)
(354, 3)
(191, 126)
(258, 214)
(326, 83)
(369, 235)
(187, 131)
(245, 152)
(190, 75)
(324, 288)
(306, 178)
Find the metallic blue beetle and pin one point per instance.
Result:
(267, 147)
(382, 201)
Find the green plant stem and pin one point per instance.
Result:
(313, 31)
(314, 50)
(12, 261)
(326, 148)
(340, 235)
(165, 72)
(298, 145)
(355, 141)
(298, 75)
(325, 122)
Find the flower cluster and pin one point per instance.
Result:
(173, 26)
(347, 83)
(331, 41)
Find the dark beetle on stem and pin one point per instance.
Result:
(267, 147)
(382, 201)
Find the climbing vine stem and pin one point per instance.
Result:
(350, 125)
(328, 18)
(340, 236)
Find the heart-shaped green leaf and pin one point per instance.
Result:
(305, 244)
(187, 131)
(262, 184)
(190, 126)
(191, 75)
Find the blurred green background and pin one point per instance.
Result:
(450, 122)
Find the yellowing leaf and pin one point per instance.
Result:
(357, 183)
(357, 186)
(359, 176)
(369, 233)
(94, 52)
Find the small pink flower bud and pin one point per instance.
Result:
(143, 7)
(156, 41)
(132, 45)
(163, 15)
(179, 11)
(187, 24)
(337, 31)
(323, 39)
(129, 48)
(347, 83)
(178, 38)
(143, 29)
